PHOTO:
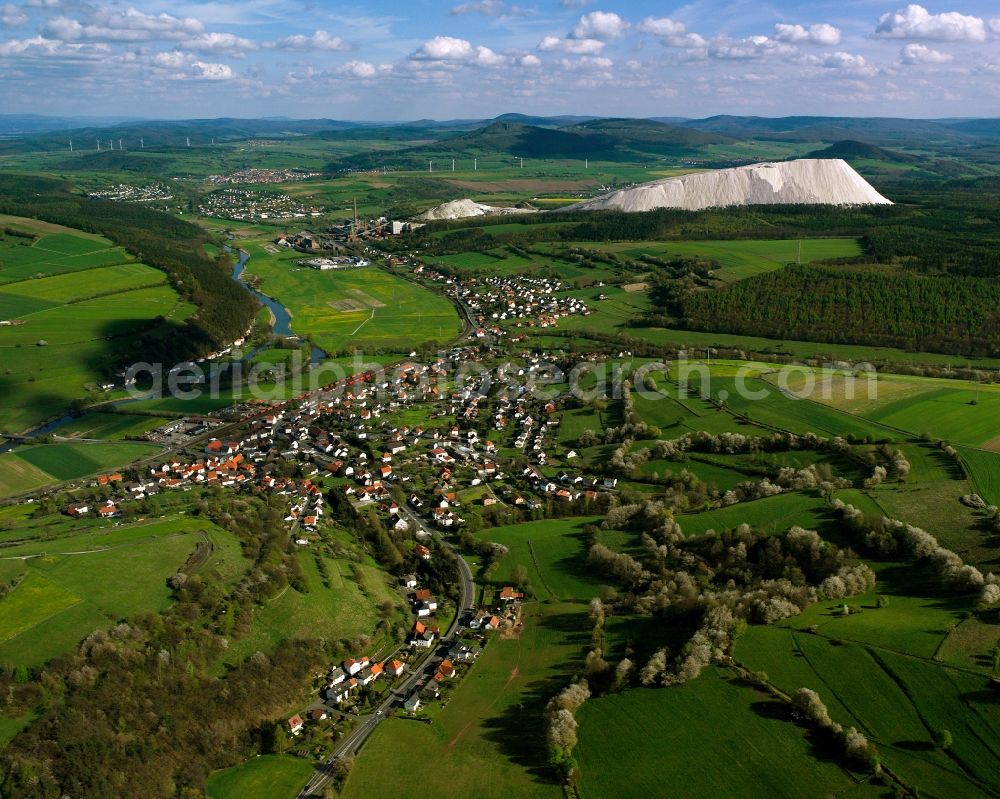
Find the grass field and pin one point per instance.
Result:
(267, 777)
(898, 700)
(554, 554)
(60, 351)
(347, 608)
(112, 426)
(984, 470)
(88, 577)
(488, 741)
(770, 515)
(741, 259)
(36, 466)
(718, 737)
(366, 308)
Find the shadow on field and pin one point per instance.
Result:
(823, 745)
(520, 730)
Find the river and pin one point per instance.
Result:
(282, 326)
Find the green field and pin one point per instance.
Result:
(73, 461)
(113, 426)
(898, 700)
(770, 515)
(70, 321)
(740, 259)
(266, 777)
(488, 740)
(554, 554)
(368, 308)
(717, 737)
(88, 577)
(984, 470)
(345, 609)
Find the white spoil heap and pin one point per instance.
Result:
(807, 181)
(460, 209)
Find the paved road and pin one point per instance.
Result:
(424, 671)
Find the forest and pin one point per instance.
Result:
(881, 306)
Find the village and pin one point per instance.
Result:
(246, 205)
(429, 449)
(260, 176)
(124, 192)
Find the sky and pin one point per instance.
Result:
(420, 59)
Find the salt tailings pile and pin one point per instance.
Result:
(460, 209)
(808, 181)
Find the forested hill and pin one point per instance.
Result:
(225, 310)
(876, 306)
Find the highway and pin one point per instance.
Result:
(424, 671)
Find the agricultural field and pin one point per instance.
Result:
(111, 426)
(742, 258)
(368, 309)
(31, 467)
(70, 317)
(340, 602)
(770, 515)
(87, 577)
(623, 740)
(553, 552)
(959, 411)
(488, 741)
(266, 777)
(984, 472)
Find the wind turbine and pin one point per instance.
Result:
(98, 145)
(188, 141)
(142, 144)
(71, 145)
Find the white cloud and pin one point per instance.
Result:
(218, 42)
(574, 46)
(916, 53)
(320, 40)
(42, 3)
(994, 26)
(41, 46)
(822, 33)
(489, 8)
(449, 48)
(599, 25)
(916, 22)
(123, 26)
(749, 48)
(848, 62)
(529, 60)
(206, 71)
(11, 16)
(672, 33)
(444, 48)
(362, 69)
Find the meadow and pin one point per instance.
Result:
(31, 467)
(769, 515)
(368, 309)
(71, 322)
(111, 426)
(739, 259)
(344, 606)
(75, 577)
(488, 741)
(553, 552)
(719, 737)
(265, 777)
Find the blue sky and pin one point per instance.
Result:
(478, 58)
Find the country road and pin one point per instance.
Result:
(353, 742)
